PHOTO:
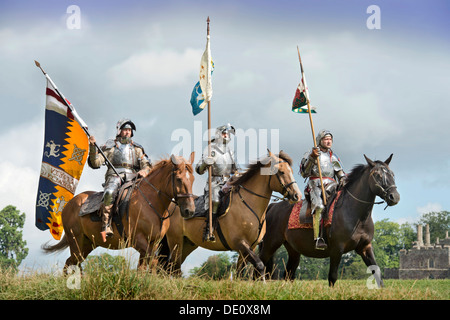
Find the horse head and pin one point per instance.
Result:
(280, 167)
(182, 180)
(383, 182)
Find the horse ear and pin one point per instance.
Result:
(269, 153)
(192, 157)
(370, 162)
(388, 160)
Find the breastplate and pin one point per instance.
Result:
(223, 162)
(326, 166)
(124, 156)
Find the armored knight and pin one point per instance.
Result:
(332, 174)
(222, 162)
(129, 160)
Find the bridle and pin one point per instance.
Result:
(285, 191)
(384, 190)
(285, 196)
(174, 198)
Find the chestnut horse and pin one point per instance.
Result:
(351, 228)
(147, 219)
(243, 225)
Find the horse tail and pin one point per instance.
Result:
(61, 245)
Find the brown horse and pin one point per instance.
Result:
(243, 224)
(147, 217)
(351, 228)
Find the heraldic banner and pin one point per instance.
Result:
(65, 153)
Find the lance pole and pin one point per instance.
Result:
(77, 118)
(210, 233)
(312, 128)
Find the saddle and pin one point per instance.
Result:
(92, 205)
(200, 211)
(301, 217)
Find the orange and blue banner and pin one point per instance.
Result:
(65, 152)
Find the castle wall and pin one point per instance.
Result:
(425, 261)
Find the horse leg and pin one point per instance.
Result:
(335, 259)
(179, 253)
(293, 262)
(145, 248)
(79, 249)
(249, 255)
(369, 259)
(267, 249)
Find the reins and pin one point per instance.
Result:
(285, 193)
(173, 199)
(377, 184)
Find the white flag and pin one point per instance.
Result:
(206, 67)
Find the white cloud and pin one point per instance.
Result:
(429, 207)
(156, 69)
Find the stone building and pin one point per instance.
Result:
(424, 260)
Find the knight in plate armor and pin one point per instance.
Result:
(332, 174)
(129, 160)
(222, 162)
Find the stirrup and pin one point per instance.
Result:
(206, 236)
(320, 244)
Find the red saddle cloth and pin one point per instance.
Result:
(301, 218)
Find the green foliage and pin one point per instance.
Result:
(439, 223)
(215, 267)
(12, 246)
(104, 263)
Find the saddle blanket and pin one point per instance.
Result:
(301, 218)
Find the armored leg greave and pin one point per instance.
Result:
(106, 222)
(320, 242)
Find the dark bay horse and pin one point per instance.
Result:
(147, 216)
(243, 225)
(351, 228)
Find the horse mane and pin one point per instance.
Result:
(253, 168)
(357, 172)
(163, 162)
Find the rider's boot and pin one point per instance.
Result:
(211, 237)
(107, 231)
(319, 241)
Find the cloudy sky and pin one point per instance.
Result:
(380, 91)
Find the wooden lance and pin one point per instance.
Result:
(312, 128)
(208, 74)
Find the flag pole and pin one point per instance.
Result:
(77, 117)
(210, 235)
(312, 128)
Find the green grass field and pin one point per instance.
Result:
(133, 285)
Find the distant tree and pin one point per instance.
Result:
(12, 246)
(215, 267)
(105, 263)
(439, 223)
